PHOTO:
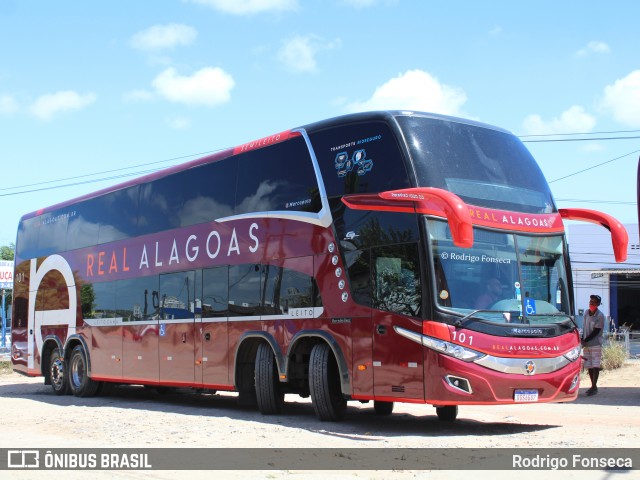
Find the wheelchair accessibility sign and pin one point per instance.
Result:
(529, 306)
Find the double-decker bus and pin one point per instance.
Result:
(342, 260)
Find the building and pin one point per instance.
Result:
(596, 272)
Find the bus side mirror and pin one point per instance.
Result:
(619, 235)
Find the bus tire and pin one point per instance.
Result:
(269, 394)
(324, 384)
(58, 373)
(79, 382)
(382, 408)
(448, 413)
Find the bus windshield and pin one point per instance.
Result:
(485, 167)
(504, 278)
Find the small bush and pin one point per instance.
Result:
(5, 368)
(614, 354)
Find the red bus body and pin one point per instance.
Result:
(197, 303)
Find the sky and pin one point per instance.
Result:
(96, 93)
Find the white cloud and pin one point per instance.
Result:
(248, 7)
(497, 30)
(573, 120)
(8, 105)
(359, 3)
(622, 99)
(592, 147)
(208, 86)
(138, 96)
(593, 47)
(178, 123)
(299, 53)
(47, 106)
(164, 36)
(414, 90)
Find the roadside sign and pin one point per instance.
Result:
(6, 274)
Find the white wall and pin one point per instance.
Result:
(590, 250)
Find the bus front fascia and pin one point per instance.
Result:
(424, 200)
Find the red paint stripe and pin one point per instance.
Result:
(265, 141)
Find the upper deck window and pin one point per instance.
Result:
(277, 178)
(485, 167)
(359, 158)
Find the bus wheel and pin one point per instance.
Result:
(79, 382)
(382, 408)
(324, 384)
(269, 395)
(448, 413)
(58, 373)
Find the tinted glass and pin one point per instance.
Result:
(215, 292)
(52, 234)
(118, 214)
(366, 228)
(396, 279)
(211, 192)
(138, 299)
(507, 278)
(359, 158)
(160, 204)
(244, 289)
(177, 295)
(27, 239)
(99, 300)
(297, 291)
(85, 224)
(485, 167)
(359, 273)
(277, 178)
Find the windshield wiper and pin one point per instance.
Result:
(506, 315)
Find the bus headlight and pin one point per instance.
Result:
(442, 346)
(573, 354)
(451, 349)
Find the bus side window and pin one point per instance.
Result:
(244, 289)
(396, 279)
(137, 298)
(215, 292)
(359, 268)
(98, 300)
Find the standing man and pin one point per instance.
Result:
(592, 330)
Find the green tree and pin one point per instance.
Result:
(87, 300)
(7, 252)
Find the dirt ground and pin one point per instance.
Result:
(134, 417)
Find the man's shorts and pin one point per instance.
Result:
(592, 356)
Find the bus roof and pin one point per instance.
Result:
(383, 115)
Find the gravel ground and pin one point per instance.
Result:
(134, 417)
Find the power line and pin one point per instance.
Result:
(579, 139)
(104, 172)
(609, 202)
(577, 133)
(594, 166)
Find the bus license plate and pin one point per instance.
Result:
(526, 396)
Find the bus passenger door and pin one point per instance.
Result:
(396, 298)
(176, 333)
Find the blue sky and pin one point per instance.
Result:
(97, 90)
